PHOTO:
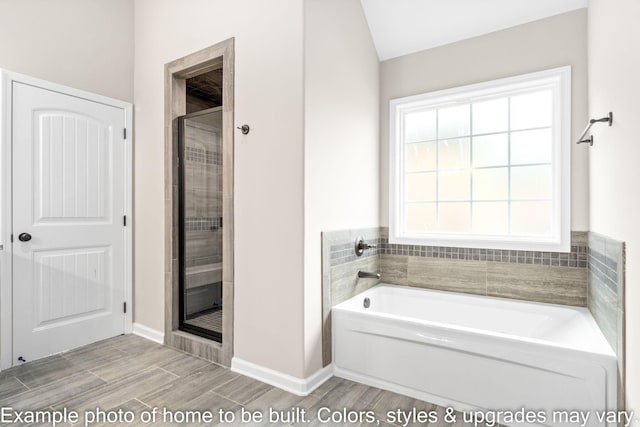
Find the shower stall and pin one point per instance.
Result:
(201, 222)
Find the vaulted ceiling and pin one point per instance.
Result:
(400, 27)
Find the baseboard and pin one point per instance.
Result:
(297, 386)
(148, 333)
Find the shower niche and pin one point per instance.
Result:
(201, 221)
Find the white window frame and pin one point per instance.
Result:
(558, 80)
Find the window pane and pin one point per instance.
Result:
(491, 218)
(491, 116)
(454, 154)
(421, 217)
(531, 110)
(481, 163)
(454, 217)
(454, 122)
(531, 182)
(531, 218)
(491, 184)
(421, 156)
(491, 150)
(533, 146)
(421, 187)
(454, 185)
(420, 126)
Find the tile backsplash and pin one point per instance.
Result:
(551, 277)
(606, 295)
(340, 279)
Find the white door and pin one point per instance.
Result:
(68, 232)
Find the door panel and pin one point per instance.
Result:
(73, 154)
(69, 195)
(71, 283)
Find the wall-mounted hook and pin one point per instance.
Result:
(244, 129)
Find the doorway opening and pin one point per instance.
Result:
(199, 211)
(66, 198)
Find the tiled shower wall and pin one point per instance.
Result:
(606, 296)
(203, 198)
(551, 277)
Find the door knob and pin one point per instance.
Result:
(24, 237)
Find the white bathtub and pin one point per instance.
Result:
(472, 352)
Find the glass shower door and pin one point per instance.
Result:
(201, 223)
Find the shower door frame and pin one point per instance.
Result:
(182, 325)
(218, 56)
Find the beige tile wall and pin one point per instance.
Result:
(606, 296)
(532, 276)
(340, 268)
(541, 283)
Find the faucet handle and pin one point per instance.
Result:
(361, 245)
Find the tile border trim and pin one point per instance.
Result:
(578, 257)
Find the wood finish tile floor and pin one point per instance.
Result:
(133, 374)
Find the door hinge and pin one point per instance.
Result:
(124, 133)
(124, 306)
(12, 238)
(124, 220)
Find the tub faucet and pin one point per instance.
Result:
(367, 275)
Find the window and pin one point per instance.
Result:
(485, 165)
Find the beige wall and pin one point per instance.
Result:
(83, 44)
(548, 43)
(614, 85)
(268, 164)
(341, 141)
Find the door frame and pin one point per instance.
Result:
(6, 208)
(220, 55)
